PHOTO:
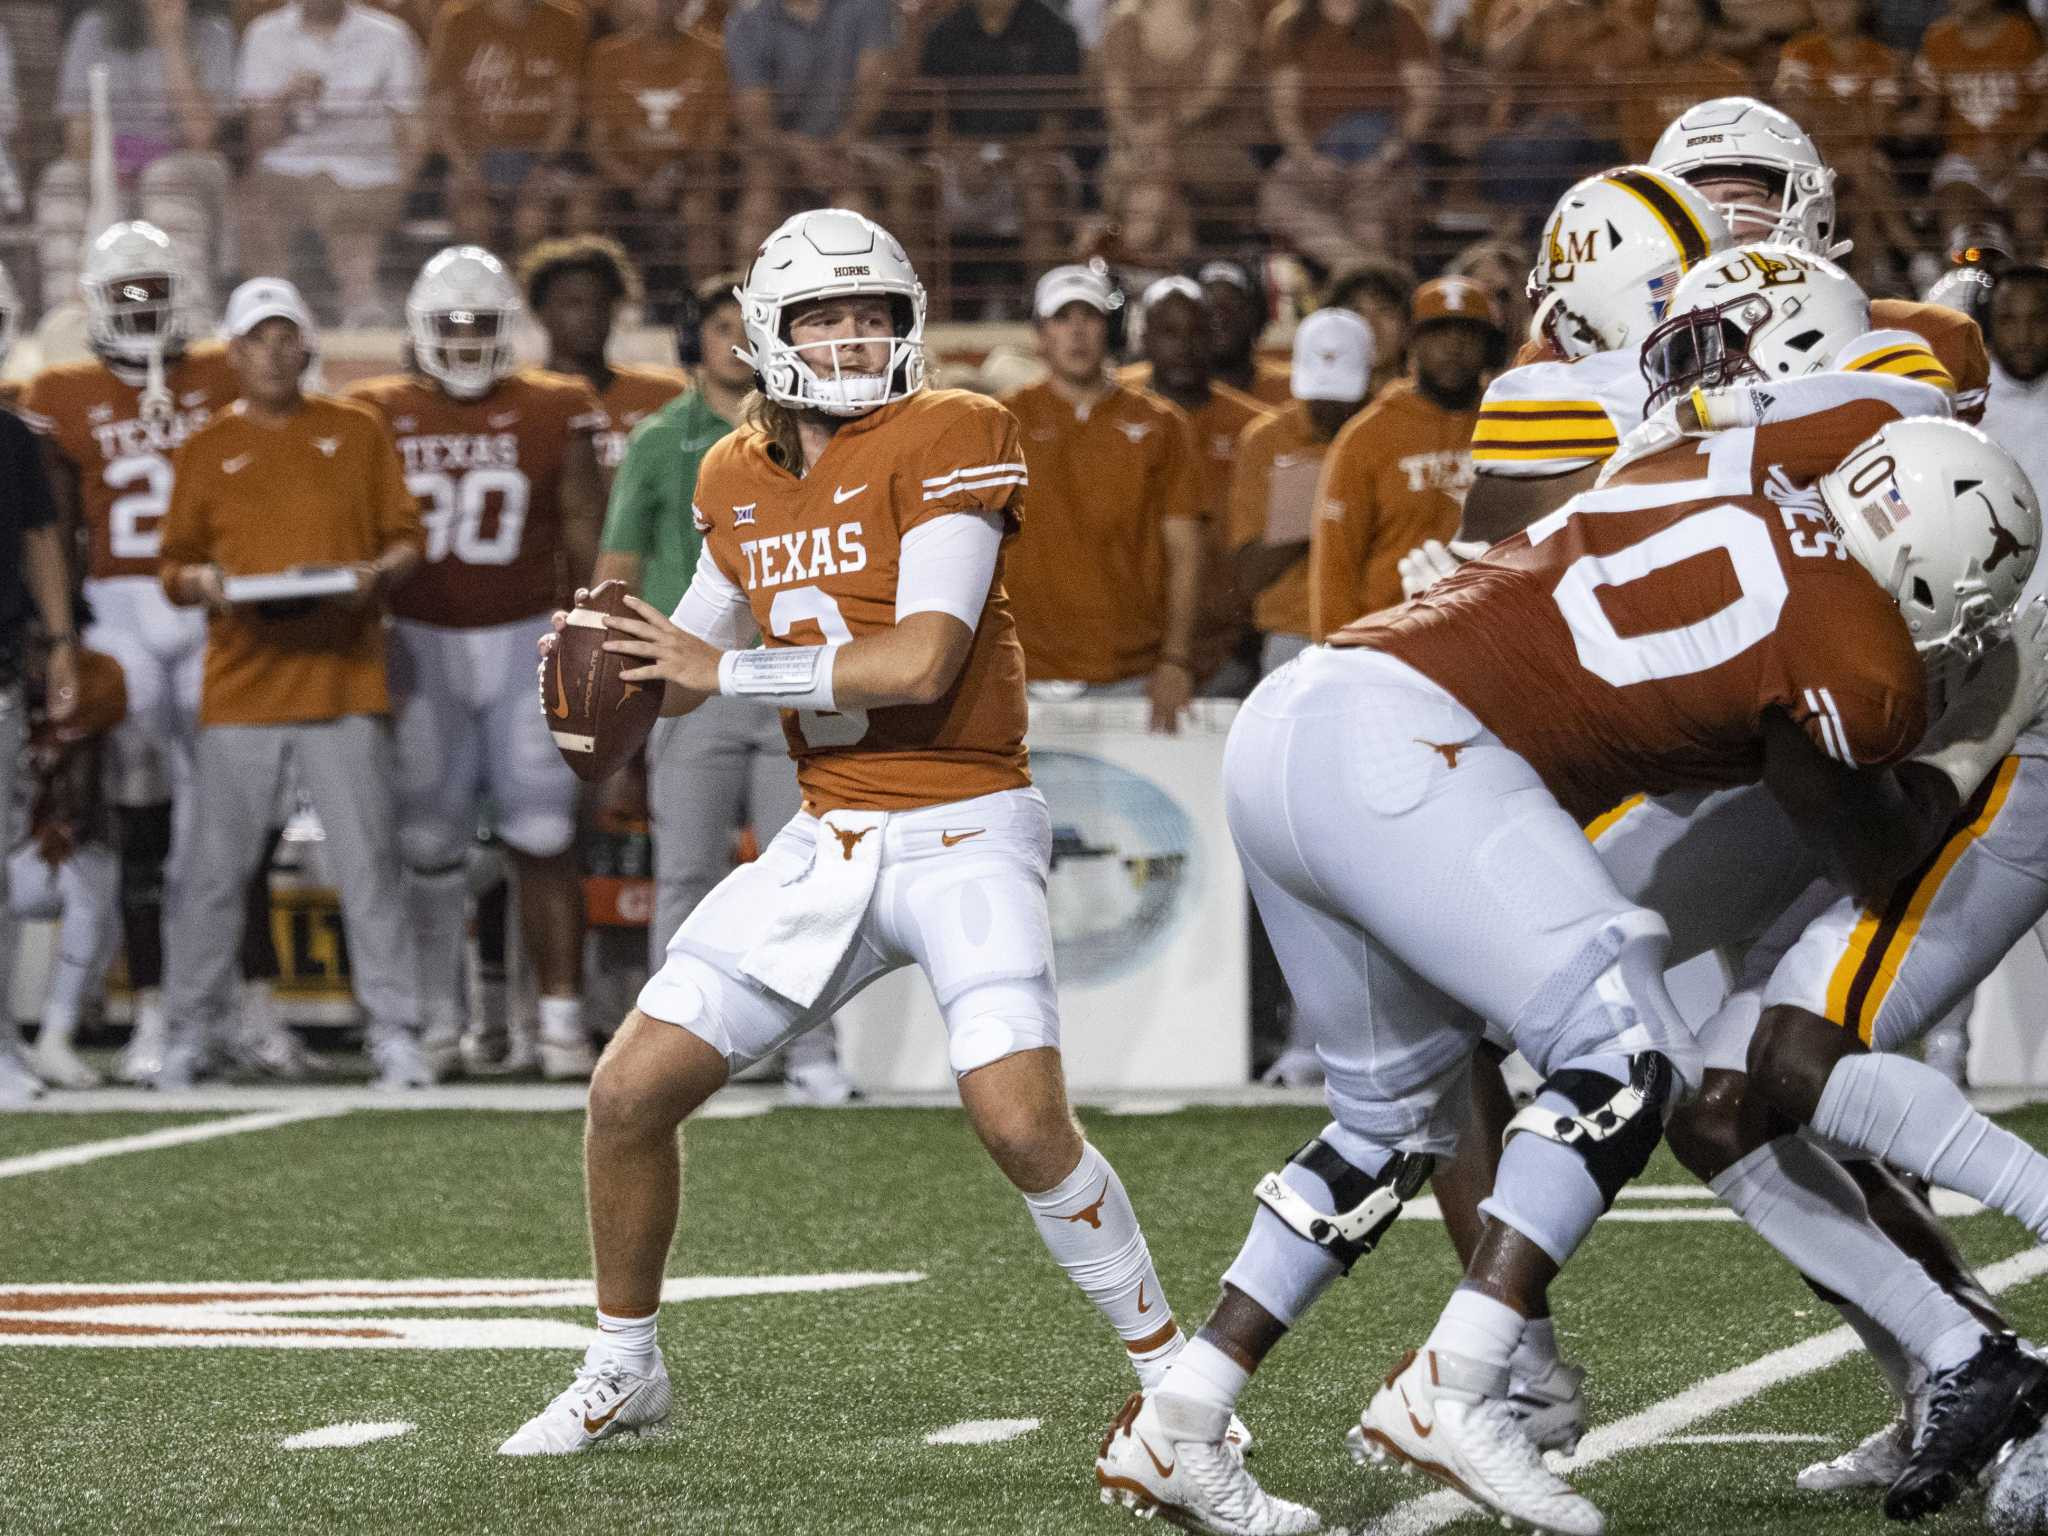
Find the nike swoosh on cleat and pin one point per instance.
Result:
(1165, 1467)
(1424, 1430)
(592, 1426)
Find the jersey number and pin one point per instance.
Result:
(1698, 647)
(455, 508)
(839, 728)
(135, 522)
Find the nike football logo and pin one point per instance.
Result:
(1092, 1214)
(592, 1426)
(1143, 1304)
(1165, 1467)
(950, 838)
(237, 464)
(1422, 1429)
(841, 496)
(504, 419)
(561, 709)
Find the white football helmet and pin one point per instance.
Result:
(1612, 252)
(1946, 522)
(1758, 311)
(1738, 136)
(830, 253)
(460, 313)
(134, 284)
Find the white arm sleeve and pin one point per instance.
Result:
(714, 610)
(947, 565)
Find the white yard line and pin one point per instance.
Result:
(1660, 1421)
(156, 1141)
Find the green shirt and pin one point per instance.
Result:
(649, 514)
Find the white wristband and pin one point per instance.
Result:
(789, 676)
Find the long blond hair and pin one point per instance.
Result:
(777, 422)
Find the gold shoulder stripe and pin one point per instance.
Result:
(1558, 408)
(1606, 819)
(1906, 361)
(1678, 219)
(1535, 453)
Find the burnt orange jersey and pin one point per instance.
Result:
(504, 79)
(635, 393)
(1089, 577)
(1273, 501)
(817, 558)
(1396, 475)
(1952, 336)
(1990, 88)
(488, 475)
(1632, 641)
(1841, 101)
(123, 462)
(649, 99)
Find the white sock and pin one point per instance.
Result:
(1203, 1372)
(1914, 1118)
(1093, 1234)
(1804, 1204)
(1477, 1327)
(437, 902)
(1535, 1353)
(627, 1340)
(561, 1019)
(149, 1011)
(1901, 1376)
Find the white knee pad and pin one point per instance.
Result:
(432, 844)
(539, 834)
(990, 1020)
(692, 994)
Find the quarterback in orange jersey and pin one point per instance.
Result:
(856, 522)
(1765, 604)
(574, 288)
(509, 490)
(111, 423)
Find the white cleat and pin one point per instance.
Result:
(441, 1046)
(1874, 1462)
(57, 1064)
(566, 1059)
(1551, 1407)
(1297, 1067)
(819, 1085)
(399, 1061)
(602, 1402)
(18, 1085)
(1166, 1456)
(1439, 1414)
(142, 1058)
(266, 1046)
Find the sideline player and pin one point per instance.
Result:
(508, 484)
(857, 520)
(1802, 670)
(112, 423)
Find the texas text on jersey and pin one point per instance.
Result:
(817, 559)
(123, 459)
(1633, 640)
(487, 474)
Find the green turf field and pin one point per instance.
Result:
(803, 1410)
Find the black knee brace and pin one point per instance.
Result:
(1366, 1203)
(1616, 1125)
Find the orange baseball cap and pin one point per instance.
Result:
(1455, 298)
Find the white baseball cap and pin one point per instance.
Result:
(266, 298)
(1068, 285)
(1333, 356)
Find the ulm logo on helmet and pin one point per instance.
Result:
(1772, 271)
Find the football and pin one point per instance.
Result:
(599, 720)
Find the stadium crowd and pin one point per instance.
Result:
(341, 141)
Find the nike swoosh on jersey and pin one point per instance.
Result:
(237, 464)
(841, 496)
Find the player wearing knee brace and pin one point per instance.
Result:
(503, 463)
(1798, 666)
(857, 522)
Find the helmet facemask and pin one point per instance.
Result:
(814, 375)
(465, 350)
(134, 317)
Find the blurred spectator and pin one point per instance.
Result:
(1279, 461)
(1982, 75)
(658, 120)
(575, 288)
(1237, 319)
(1009, 78)
(1107, 574)
(2016, 414)
(35, 587)
(418, 15)
(1175, 330)
(332, 88)
(1501, 267)
(1554, 115)
(1754, 30)
(1379, 291)
(1351, 88)
(810, 80)
(300, 680)
(1399, 472)
(170, 73)
(13, 198)
(504, 78)
(1845, 88)
(1900, 24)
(1175, 80)
(1684, 68)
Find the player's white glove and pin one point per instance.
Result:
(1431, 561)
(2008, 693)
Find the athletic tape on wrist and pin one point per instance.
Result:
(789, 677)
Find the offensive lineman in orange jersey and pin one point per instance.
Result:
(509, 490)
(857, 522)
(111, 423)
(1407, 805)
(574, 288)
